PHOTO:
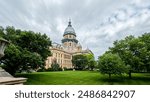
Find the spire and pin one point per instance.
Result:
(69, 25)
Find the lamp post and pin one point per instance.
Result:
(5, 77)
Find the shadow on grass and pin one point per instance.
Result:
(137, 79)
(140, 78)
(111, 81)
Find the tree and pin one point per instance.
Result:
(133, 52)
(28, 50)
(111, 64)
(12, 59)
(16, 59)
(79, 62)
(35, 42)
(145, 56)
(91, 61)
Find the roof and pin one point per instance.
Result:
(56, 45)
(69, 29)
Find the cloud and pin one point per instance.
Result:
(98, 23)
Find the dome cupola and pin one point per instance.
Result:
(69, 30)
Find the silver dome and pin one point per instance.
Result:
(69, 29)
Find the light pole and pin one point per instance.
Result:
(5, 77)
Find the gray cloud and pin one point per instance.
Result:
(97, 22)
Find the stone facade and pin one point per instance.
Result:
(62, 57)
(62, 53)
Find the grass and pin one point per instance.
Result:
(83, 78)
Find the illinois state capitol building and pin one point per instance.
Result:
(62, 53)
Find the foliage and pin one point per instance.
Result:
(79, 62)
(145, 56)
(111, 64)
(55, 66)
(84, 61)
(67, 69)
(135, 52)
(91, 64)
(28, 50)
(13, 55)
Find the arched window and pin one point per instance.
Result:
(69, 36)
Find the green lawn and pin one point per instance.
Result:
(83, 78)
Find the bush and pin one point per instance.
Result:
(41, 70)
(55, 66)
(52, 69)
(67, 69)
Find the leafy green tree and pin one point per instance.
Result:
(145, 55)
(35, 42)
(111, 64)
(79, 62)
(133, 52)
(20, 60)
(91, 61)
(12, 59)
(28, 50)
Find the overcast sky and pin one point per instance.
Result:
(98, 23)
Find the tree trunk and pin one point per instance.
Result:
(109, 76)
(130, 77)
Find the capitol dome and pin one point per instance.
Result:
(69, 29)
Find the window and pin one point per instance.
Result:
(53, 54)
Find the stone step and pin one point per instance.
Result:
(12, 81)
